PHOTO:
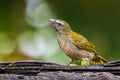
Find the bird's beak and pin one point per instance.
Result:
(53, 22)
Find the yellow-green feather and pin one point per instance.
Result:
(98, 60)
(82, 42)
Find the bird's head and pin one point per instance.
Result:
(60, 26)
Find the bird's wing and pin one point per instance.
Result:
(82, 43)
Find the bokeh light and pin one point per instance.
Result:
(39, 43)
(37, 12)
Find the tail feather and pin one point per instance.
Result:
(98, 60)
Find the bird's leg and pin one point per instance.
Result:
(85, 62)
(70, 62)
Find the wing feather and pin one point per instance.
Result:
(82, 43)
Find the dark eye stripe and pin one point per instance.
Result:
(59, 24)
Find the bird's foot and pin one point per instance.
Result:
(70, 63)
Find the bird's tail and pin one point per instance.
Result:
(98, 60)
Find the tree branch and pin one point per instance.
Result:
(39, 69)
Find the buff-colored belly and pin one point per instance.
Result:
(72, 51)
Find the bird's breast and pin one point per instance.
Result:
(66, 44)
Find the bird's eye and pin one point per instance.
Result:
(59, 24)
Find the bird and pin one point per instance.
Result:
(75, 45)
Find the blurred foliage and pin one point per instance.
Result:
(25, 32)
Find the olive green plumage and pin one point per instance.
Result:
(76, 46)
(82, 43)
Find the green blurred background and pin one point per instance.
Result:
(26, 34)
